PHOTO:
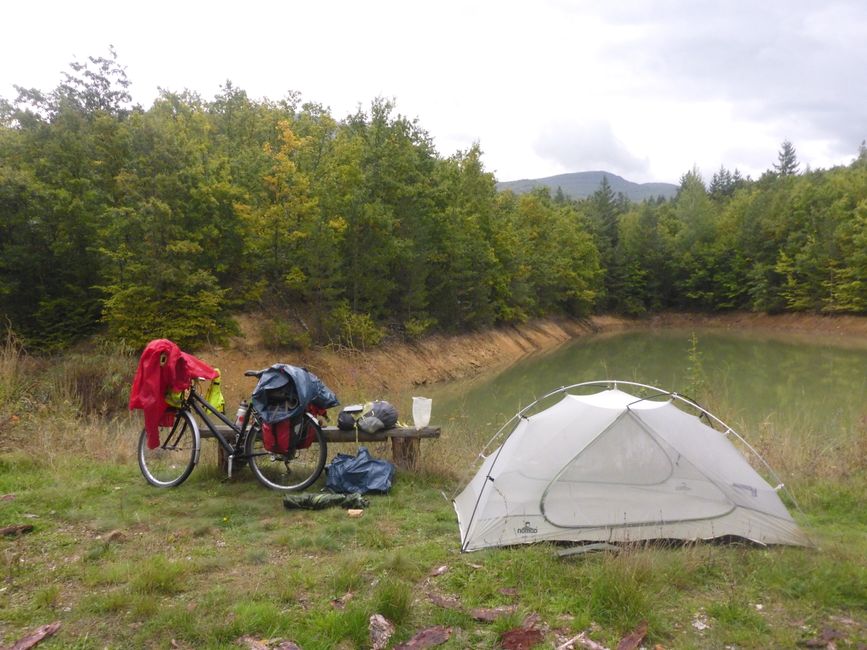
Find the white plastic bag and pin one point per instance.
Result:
(421, 411)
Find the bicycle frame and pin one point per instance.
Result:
(203, 409)
(181, 446)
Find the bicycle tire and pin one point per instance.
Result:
(286, 472)
(169, 464)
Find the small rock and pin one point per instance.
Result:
(340, 603)
(282, 644)
(380, 629)
(252, 643)
(534, 621)
(699, 622)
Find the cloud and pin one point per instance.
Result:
(588, 145)
(670, 83)
(798, 67)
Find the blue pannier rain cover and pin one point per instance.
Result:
(359, 474)
(298, 388)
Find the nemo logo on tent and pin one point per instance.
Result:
(527, 529)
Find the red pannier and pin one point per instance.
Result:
(277, 437)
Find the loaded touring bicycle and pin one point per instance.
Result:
(277, 434)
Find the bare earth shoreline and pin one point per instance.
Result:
(397, 366)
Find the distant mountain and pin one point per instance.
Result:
(582, 184)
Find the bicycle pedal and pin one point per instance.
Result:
(231, 458)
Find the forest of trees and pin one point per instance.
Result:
(164, 222)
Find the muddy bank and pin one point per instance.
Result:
(399, 366)
(833, 330)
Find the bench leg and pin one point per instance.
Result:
(406, 452)
(222, 459)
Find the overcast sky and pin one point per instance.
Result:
(646, 90)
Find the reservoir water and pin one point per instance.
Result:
(777, 384)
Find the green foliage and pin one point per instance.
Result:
(47, 597)
(415, 328)
(393, 599)
(620, 595)
(278, 334)
(696, 384)
(163, 221)
(15, 380)
(159, 576)
(556, 259)
(353, 330)
(96, 382)
(187, 315)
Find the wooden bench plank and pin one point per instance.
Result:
(405, 441)
(333, 434)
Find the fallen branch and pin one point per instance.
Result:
(36, 636)
(521, 638)
(448, 602)
(583, 641)
(491, 614)
(428, 638)
(15, 530)
(633, 640)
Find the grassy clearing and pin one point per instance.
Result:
(122, 564)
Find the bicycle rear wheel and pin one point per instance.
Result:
(287, 472)
(171, 462)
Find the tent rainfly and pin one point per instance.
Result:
(613, 467)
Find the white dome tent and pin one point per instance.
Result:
(613, 467)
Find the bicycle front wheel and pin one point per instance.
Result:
(171, 462)
(287, 472)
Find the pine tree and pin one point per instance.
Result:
(722, 184)
(788, 160)
(861, 159)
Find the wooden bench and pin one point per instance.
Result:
(405, 441)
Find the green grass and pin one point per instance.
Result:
(122, 564)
